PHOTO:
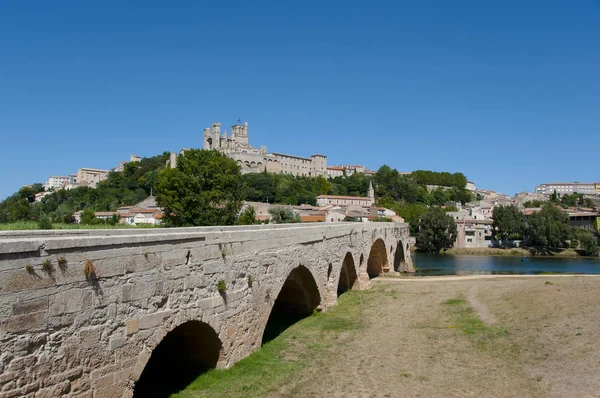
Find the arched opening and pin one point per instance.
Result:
(377, 261)
(297, 299)
(348, 278)
(186, 352)
(399, 263)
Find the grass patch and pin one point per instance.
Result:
(465, 319)
(277, 363)
(455, 301)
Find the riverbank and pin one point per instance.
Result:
(517, 252)
(492, 337)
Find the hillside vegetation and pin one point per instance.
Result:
(407, 195)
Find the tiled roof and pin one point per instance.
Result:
(342, 197)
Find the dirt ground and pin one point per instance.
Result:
(545, 342)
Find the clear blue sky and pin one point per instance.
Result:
(507, 92)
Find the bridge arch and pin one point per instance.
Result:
(400, 264)
(348, 277)
(187, 351)
(298, 297)
(377, 263)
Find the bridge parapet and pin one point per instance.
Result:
(84, 311)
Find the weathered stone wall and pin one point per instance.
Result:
(81, 311)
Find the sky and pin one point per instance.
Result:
(506, 92)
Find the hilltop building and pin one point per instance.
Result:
(568, 188)
(347, 170)
(338, 200)
(90, 177)
(57, 182)
(256, 160)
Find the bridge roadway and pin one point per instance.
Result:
(115, 313)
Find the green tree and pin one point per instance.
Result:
(437, 231)
(283, 215)
(204, 189)
(549, 228)
(509, 222)
(248, 217)
(88, 217)
(412, 213)
(589, 244)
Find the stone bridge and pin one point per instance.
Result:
(97, 313)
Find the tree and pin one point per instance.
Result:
(509, 222)
(412, 214)
(204, 189)
(587, 241)
(88, 217)
(549, 228)
(283, 215)
(248, 216)
(437, 231)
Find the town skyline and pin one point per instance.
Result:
(118, 166)
(506, 94)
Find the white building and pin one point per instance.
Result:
(563, 188)
(57, 182)
(347, 170)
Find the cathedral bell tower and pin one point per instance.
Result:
(371, 193)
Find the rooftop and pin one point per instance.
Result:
(342, 197)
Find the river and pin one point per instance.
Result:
(429, 264)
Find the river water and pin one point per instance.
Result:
(430, 264)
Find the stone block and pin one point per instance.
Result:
(137, 291)
(211, 302)
(20, 280)
(131, 326)
(70, 375)
(90, 337)
(117, 342)
(29, 306)
(7, 376)
(173, 258)
(66, 302)
(104, 382)
(114, 391)
(153, 320)
(33, 322)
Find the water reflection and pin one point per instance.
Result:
(497, 265)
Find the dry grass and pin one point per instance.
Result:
(428, 339)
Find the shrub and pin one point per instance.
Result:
(221, 286)
(44, 222)
(283, 215)
(47, 266)
(89, 270)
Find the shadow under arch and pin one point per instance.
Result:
(377, 262)
(297, 299)
(185, 353)
(348, 277)
(399, 260)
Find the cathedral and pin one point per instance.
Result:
(257, 160)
